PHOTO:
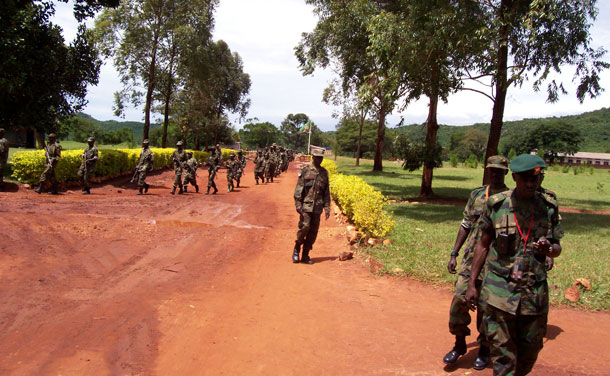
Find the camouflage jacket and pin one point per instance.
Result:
(233, 166)
(472, 212)
(146, 160)
(191, 166)
(312, 193)
(90, 157)
(510, 222)
(212, 165)
(217, 154)
(242, 160)
(53, 153)
(259, 164)
(179, 159)
(3, 150)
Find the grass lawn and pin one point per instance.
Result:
(425, 233)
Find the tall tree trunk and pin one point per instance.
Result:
(197, 146)
(362, 117)
(431, 131)
(168, 94)
(377, 164)
(495, 129)
(149, 92)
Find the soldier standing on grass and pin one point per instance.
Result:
(87, 167)
(517, 233)
(179, 159)
(311, 196)
(459, 315)
(52, 155)
(190, 171)
(3, 157)
(145, 165)
(212, 169)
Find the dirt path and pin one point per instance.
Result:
(116, 284)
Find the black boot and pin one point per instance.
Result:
(458, 350)
(482, 359)
(184, 188)
(305, 259)
(39, 189)
(256, 181)
(146, 186)
(140, 191)
(237, 183)
(54, 189)
(295, 253)
(196, 188)
(173, 190)
(208, 191)
(86, 191)
(215, 190)
(181, 191)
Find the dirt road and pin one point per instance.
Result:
(119, 284)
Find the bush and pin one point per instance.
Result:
(454, 160)
(360, 202)
(565, 169)
(28, 165)
(472, 161)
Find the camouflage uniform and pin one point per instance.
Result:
(515, 289)
(232, 169)
(145, 165)
(87, 167)
(217, 154)
(459, 314)
(311, 196)
(269, 167)
(53, 155)
(179, 159)
(4, 147)
(190, 172)
(212, 169)
(241, 159)
(259, 168)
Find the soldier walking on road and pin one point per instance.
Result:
(518, 232)
(145, 165)
(269, 167)
(311, 196)
(190, 171)
(87, 167)
(212, 169)
(259, 167)
(3, 157)
(241, 158)
(459, 315)
(232, 169)
(179, 159)
(52, 154)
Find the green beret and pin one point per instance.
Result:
(527, 162)
(497, 161)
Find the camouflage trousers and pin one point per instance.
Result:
(189, 178)
(141, 177)
(211, 177)
(230, 178)
(515, 340)
(270, 171)
(85, 176)
(48, 174)
(260, 174)
(459, 314)
(309, 223)
(177, 177)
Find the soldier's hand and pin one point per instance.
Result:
(327, 214)
(549, 263)
(543, 246)
(472, 297)
(452, 264)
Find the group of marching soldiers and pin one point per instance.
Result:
(269, 163)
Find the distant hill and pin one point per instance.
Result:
(594, 125)
(111, 125)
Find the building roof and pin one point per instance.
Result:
(587, 155)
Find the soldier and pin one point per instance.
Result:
(284, 159)
(212, 169)
(517, 234)
(311, 195)
(218, 154)
(87, 167)
(145, 165)
(269, 167)
(179, 159)
(232, 169)
(549, 260)
(4, 146)
(242, 165)
(259, 167)
(459, 315)
(190, 171)
(52, 155)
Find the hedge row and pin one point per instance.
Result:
(360, 202)
(28, 165)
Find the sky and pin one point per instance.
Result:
(265, 32)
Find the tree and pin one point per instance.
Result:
(470, 141)
(537, 37)
(43, 80)
(258, 135)
(356, 137)
(290, 128)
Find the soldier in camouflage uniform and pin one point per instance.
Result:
(232, 169)
(241, 158)
(145, 164)
(212, 169)
(179, 159)
(217, 154)
(190, 171)
(519, 229)
(87, 167)
(52, 154)
(269, 167)
(3, 156)
(259, 167)
(311, 196)
(459, 315)
(549, 260)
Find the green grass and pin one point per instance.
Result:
(425, 233)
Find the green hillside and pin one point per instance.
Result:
(595, 127)
(112, 125)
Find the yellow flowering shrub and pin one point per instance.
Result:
(360, 202)
(28, 165)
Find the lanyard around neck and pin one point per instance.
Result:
(528, 230)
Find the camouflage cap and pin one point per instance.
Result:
(527, 163)
(497, 161)
(91, 139)
(179, 143)
(317, 152)
(145, 141)
(52, 135)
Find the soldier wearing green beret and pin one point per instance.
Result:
(459, 315)
(87, 167)
(518, 232)
(311, 196)
(3, 156)
(52, 155)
